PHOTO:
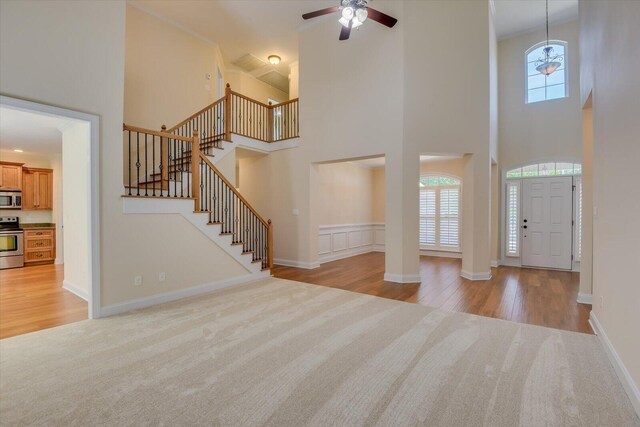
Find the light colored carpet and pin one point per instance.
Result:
(284, 353)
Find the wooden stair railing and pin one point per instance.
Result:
(227, 207)
(238, 114)
(162, 164)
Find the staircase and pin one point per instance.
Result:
(176, 167)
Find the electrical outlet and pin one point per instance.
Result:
(137, 281)
(601, 302)
(162, 276)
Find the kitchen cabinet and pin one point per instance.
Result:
(39, 246)
(37, 189)
(10, 176)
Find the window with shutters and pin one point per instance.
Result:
(513, 227)
(440, 213)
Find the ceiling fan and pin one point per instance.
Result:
(353, 14)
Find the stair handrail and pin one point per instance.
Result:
(266, 223)
(227, 113)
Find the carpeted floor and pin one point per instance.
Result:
(285, 353)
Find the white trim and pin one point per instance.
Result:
(623, 374)
(346, 240)
(475, 276)
(585, 298)
(297, 264)
(441, 254)
(264, 147)
(495, 263)
(74, 289)
(94, 266)
(136, 304)
(402, 278)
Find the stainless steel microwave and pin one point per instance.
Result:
(10, 200)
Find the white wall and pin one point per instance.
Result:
(294, 80)
(540, 130)
(609, 33)
(81, 45)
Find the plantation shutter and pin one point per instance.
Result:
(427, 216)
(513, 211)
(578, 222)
(449, 217)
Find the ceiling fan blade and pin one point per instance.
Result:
(345, 32)
(320, 12)
(382, 18)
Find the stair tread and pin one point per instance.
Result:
(248, 252)
(214, 223)
(238, 243)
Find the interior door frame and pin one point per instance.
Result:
(93, 198)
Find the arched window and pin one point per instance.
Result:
(440, 213)
(539, 86)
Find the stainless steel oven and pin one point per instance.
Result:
(10, 200)
(11, 243)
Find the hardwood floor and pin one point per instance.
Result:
(32, 298)
(537, 297)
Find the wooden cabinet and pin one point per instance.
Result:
(39, 246)
(10, 176)
(37, 189)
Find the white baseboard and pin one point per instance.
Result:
(585, 298)
(297, 264)
(74, 289)
(402, 278)
(475, 276)
(123, 307)
(623, 374)
(495, 263)
(58, 261)
(345, 254)
(441, 254)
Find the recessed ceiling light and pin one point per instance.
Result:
(274, 59)
(17, 150)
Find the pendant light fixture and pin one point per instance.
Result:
(550, 62)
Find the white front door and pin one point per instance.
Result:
(547, 216)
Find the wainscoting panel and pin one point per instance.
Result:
(345, 240)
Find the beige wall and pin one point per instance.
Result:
(294, 78)
(81, 45)
(586, 260)
(166, 72)
(248, 85)
(345, 194)
(540, 130)
(609, 32)
(377, 196)
(76, 215)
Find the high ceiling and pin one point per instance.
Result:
(515, 17)
(266, 27)
(30, 132)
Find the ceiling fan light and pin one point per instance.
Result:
(344, 21)
(347, 13)
(355, 23)
(362, 14)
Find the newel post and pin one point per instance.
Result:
(164, 160)
(227, 112)
(270, 244)
(195, 169)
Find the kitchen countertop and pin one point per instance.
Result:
(35, 225)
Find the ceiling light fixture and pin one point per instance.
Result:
(354, 13)
(17, 150)
(274, 59)
(550, 62)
